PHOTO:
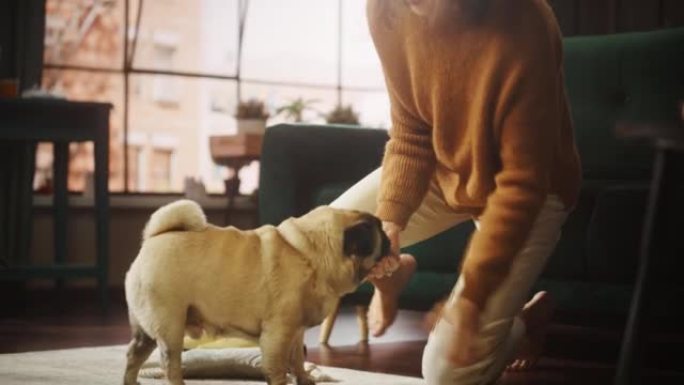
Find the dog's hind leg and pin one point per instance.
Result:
(139, 350)
(170, 348)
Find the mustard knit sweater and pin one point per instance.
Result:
(481, 107)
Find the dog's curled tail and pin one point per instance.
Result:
(182, 215)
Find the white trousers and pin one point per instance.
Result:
(500, 327)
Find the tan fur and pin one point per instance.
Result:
(180, 215)
(269, 284)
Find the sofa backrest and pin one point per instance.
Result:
(633, 77)
(300, 160)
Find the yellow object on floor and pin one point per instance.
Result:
(209, 342)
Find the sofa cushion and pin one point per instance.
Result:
(601, 298)
(572, 297)
(614, 234)
(569, 259)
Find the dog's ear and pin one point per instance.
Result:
(359, 239)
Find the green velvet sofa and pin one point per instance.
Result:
(634, 77)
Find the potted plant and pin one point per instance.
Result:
(294, 111)
(343, 115)
(251, 117)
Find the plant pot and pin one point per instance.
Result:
(251, 126)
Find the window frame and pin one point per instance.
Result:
(127, 69)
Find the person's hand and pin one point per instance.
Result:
(389, 263)
(464, 316)
(392, 231)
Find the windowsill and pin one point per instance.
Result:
(147, 201)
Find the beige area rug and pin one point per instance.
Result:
(105, 365)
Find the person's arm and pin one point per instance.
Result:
(526, 119)
(407, 166)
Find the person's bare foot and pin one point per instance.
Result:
(537, 315)
(384, 305)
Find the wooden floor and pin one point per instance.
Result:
(584, 355)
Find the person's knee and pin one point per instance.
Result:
(489, 350)
(439, 371)
(435, 368)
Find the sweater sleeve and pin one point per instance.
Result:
(407, 166)
(526, 119)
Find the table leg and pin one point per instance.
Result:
(232, 190)
(60, 170)
(102, 216)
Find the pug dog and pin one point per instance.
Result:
(268, 284)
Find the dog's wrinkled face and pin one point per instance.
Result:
(349, 242)
(365, 243)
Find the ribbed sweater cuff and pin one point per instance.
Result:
(396, 212)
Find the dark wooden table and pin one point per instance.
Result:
(62, 122)
(235, 152)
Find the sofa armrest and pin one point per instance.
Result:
(297, 160)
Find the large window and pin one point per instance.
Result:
(174, 71)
